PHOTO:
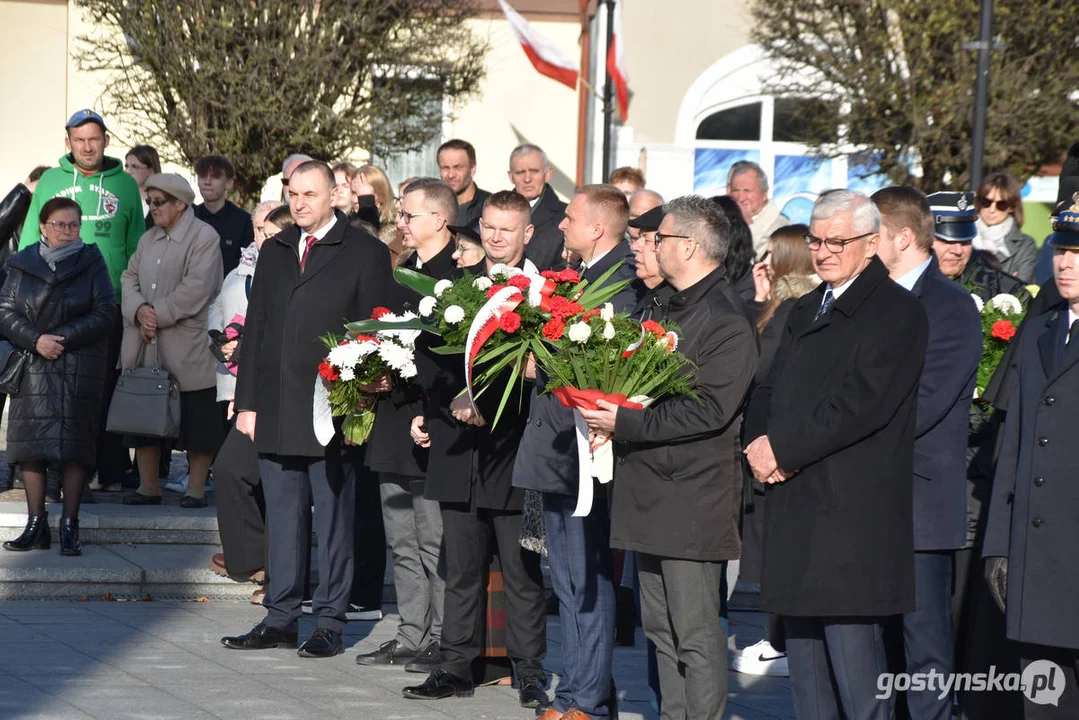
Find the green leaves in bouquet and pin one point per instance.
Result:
(594, 294)
(492, 363)
(416, 281)
(369, 327)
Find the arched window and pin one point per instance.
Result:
(742, 122)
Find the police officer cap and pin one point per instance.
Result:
(648, 221)
(953, 216)
(1066, 224)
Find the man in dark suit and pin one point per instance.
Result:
(311, 280)
(945, 391)
(833, 428)
(457, 168)
(579, 548)
(469, 473)
(530, 173)
(1034, 512)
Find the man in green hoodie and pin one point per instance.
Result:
(112, 219)
(111, 207)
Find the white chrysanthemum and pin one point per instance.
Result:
(1006, 303)
(482, 283)
(442, 286)
(978, 303)
(396, 356)
(454, 314)
(427, 306)
(347, 373)
(579, 332)
(499, 269)
(512, 271)
(408, 371)
(346, 356)
(607, 313)
(404, 337)
(608, 331)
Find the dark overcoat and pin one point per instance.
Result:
(945, 392)
(390, 448)
(57, 412)
(347, 276)
(677, 488)
(545, 247)
(547, 461)
(839, 408)
(1034, 512)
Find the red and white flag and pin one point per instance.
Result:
(545, 56)
(616, 63)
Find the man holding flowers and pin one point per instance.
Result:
(579, 549)
(678, 479)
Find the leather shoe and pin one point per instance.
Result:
(388, 653)
(323, 643)
(427, 660)
(261, 637)
(137, 498)
(532, 692)
(549, 714)
(440, 685)
(575, 714)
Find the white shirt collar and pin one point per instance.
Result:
(1072, 317)
(322, 231)
(535, 201)
(595, 259)
(910, 279)
(837, 291)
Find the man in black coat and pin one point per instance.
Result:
(579, 548)
(945, 391)
(311, 280)
(413, 522)
(678, 478)
(457, 168)
(833, 428)
(1034, 513)
(470, 474)
(530, 172)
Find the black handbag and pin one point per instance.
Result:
(13, 362)
(146, 401)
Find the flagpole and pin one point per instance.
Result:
(608, 96)
(582, 93)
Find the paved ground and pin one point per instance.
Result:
(162, 660)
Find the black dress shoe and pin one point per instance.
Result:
(323, 643)
(388, 653)
(440, 685)
(36, 536)
(261, 637)
(137, 498)
(427, 660)
(532, 692)
(69, 537)
(190, 501)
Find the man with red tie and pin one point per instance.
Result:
(311, 279)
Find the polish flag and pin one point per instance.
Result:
(545, 57)
(616, 63)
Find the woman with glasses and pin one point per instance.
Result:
(240, 518)
(1000, 217)
(141, 162)
(57, 305)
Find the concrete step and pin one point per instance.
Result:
(110, 523)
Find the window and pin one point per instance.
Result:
(805, 120)
(738, 123)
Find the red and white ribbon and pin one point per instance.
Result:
(484, 326)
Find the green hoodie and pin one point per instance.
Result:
(112, 215)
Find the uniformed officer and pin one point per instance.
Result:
(1033, 521)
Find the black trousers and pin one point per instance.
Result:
(241, 507)
(369, 536)
(113, 457)
(467, 533)
(291, 485)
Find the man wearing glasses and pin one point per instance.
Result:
(832, 430)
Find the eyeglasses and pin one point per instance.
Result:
(408, 217)
(64, 226)
(836, 245)
(660, 237)
(155, 203)
(985, 203)
(135, 166)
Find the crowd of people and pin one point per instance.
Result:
(831, 451)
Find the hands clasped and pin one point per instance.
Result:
(763, 463)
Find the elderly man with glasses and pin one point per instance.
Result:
(832, 430)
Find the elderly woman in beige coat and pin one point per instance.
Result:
(167, 289)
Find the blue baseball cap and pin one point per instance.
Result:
(84, 116)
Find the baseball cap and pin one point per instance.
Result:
(84, 116)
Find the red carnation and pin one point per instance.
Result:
(553, 329)
(328, 372)
(509, 322)
(521, 282)
(589, 314)
(494, 289)
(569, 276)
(1004, 330)
(378, 312)
(654, 327)
(550, 275)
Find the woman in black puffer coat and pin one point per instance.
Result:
(57, 303)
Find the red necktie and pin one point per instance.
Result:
(310, 240)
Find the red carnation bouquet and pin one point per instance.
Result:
(1000, 321)
(609, 356)
(354, 362)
